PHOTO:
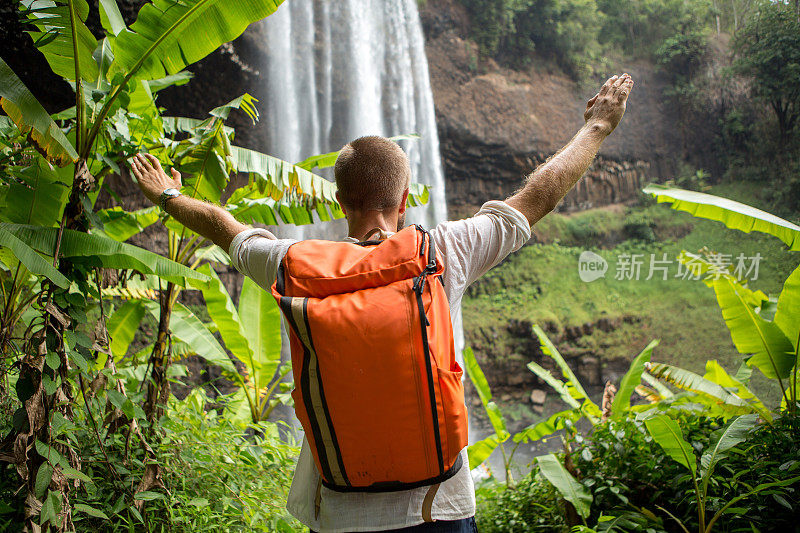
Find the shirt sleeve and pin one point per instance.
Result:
(256, 253)
(472, 246)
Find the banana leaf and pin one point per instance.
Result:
(110, 17)
(548, 426)
(28, 257)
(667, 434)
(122, 326)
(261, 325)
(559, 386)
(224, 314)
(187, 328)
(121, 225)
(110, 253)
(731, 435)
(735, 215)
(659, 387)
(31, 118)
(772, 352)
(202, 159)
(481, 450)
(715, 373)
(548, 348)
(478, 379)
(63, 37)
(37, 196)
(477, 376)
(787, 317)
(167, 36)
(687, 380)
(329, 159)
(245, 103)
(630, 380)
(571, 490)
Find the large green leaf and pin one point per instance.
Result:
(559, 386)
(477, 376)
(261, 325)
(731, 435)
(551, 468)
(202, 159)
(667, 434)
(787, 317)
(30, 117)
(687, 380)
(772, 351)
(110, 17)
(741, 307)
(186, 327)
(121, 225)
(481, 450)
(478, 379)
(122, 326)
(37, 196)
(547, 426)
(167, 36)
(225, 316)
(275, 178)
(329, 159)
(110, 253)
(61, 25)
(28, 257)
(632, 378)
(718, 375)
(573, 384)
(733, 214)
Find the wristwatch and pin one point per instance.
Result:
(166, 195)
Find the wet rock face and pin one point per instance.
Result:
(496, 124)
(503, 353)
(477, 171)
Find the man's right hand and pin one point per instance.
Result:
(606, 108)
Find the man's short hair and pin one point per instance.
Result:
(371, 173)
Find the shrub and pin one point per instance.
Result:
(530, 505)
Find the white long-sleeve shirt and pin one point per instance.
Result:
(468, 248)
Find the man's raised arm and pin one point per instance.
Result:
(551, 180)
(210, 221)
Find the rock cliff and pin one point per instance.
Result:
(496, 124)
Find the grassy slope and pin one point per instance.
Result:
(540, 283)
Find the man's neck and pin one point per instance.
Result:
(360, 227)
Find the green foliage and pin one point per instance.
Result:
(771, 343)
(768, 50)
(551, 468)
(533, 504)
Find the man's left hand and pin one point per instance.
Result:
(152, 178)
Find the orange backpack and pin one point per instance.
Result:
(377, 387)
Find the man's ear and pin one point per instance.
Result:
(404, 201)
(340, 204)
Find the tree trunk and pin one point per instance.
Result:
(158, 386)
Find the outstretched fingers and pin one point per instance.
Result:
(155, 162)
(625, 90)
(607, 85)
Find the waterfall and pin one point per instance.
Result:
(338, 70)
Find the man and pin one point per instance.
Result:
(373, 175)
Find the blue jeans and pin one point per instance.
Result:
(466, 525)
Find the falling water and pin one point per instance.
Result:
(338, 70)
